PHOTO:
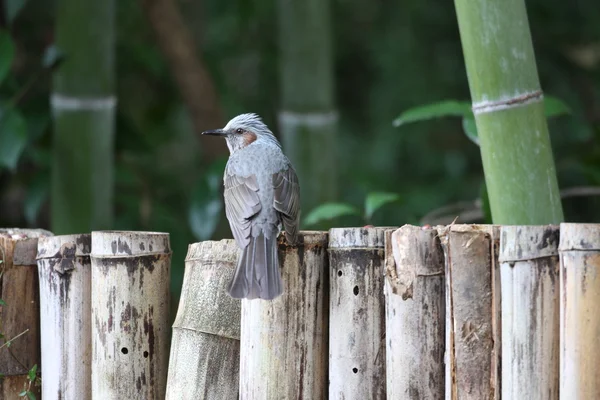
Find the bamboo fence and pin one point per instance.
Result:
(449, 312)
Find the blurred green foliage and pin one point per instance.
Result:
(330, 211)
(389, 57)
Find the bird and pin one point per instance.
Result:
(262, 197)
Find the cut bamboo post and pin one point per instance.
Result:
(65, 309)
(284, 341)
(19, 318)
(415, 314)
(529, 269)
(579, 319)
(473, 309)
(205, 349)
(356, 314)
(130, 321)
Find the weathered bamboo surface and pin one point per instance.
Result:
(529, 268)
(579, 250)
(356, 314)
(65, 308)
(473, 310)
(20, 315)
(205, 348)
(284, 341)
(130, 306)
(415, 314)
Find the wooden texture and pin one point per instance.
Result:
(19, 289)
(529, 269)
(356, 314)
(65, 309)
(130, 306)
(284, 341)
(415, 314)
(473, 327)
(579, 251)
(205, 349)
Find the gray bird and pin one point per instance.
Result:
(262, 196)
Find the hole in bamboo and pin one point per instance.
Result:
(355, 290)
(340, 272)
(145, 354)
(124, 350)
(355, 370)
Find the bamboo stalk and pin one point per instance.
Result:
(509, 112)
(356, 314)
(579, 250)
(19, 318)
(205, 349)
(308, 120)
(284, 341)
(415, 314)
(529, 269)
(83, 106)
(473, 308)
(65, 308)
(130, 314)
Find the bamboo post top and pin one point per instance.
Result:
(307, 239)
(412, 251)
(205, 306)
(64, 246)
(526, 242)
(129, 243)
(579, 237)
(212, 251)
(25, 247)
(349, 238)
(20, 234)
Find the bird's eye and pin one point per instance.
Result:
(239, 130)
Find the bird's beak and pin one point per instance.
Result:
(215, 132)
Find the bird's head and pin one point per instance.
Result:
(244, 130)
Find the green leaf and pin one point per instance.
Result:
(13, 137)
(12, 9)
(554, 107)
(7, 54)
(329, 211)
(23, 393)
(2, 302)
(37, 193)
(30, 395)
(376, 200)
(32, 373)
(53, 56)
(448, 108)
(470, 129)
(207, 204)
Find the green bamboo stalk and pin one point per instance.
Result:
(509, 111)
(83, 106)
(308, 119)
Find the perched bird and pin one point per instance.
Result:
(262, 196)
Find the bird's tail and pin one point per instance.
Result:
(257, 275)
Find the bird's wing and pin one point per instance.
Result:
(287, 201)
(241, 204)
